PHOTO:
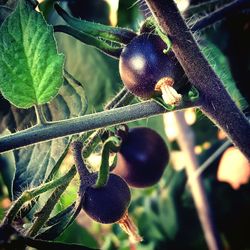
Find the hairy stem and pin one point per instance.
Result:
(28, 195)
(223, 12)
(53, 130)
(215, 100)
(185, 140)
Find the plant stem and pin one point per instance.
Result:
(214, 99)
(185, 140)
(225, 11)
(53, 130)
(123, 97)
(34, 192)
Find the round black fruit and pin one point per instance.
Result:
(142, 158)
(109, 203)
(143, 64)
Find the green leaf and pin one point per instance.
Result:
(30, 67)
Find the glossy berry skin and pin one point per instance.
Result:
(142, 64)
(109, 203)
(142, 158)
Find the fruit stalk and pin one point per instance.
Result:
(215, 100)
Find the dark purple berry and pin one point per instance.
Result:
(107, 204)
(143, 64)
(142, 158)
